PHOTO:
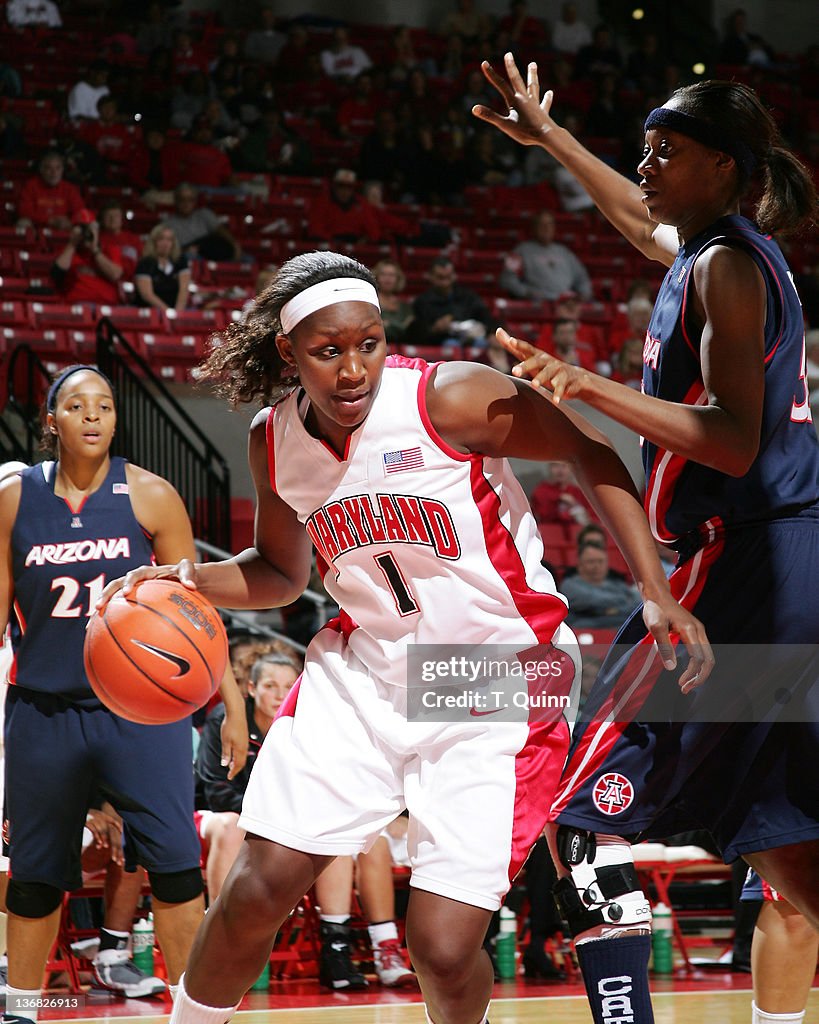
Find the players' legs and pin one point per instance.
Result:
(235, 938)
(30, 940)
(176, 925)
(783, 959)
(609, 919)
(445, 939)
(224, 838)
(792, 870)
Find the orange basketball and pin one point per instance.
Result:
(158, 655)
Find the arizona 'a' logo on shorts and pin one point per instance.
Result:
(613, 793)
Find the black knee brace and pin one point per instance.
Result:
(32, 899)
(176, 886)
(602, 887)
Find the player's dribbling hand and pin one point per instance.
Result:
(184, 571)
(107, 832)
(544, 370)
(665, 618)
(527, 118)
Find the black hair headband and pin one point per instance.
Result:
(701, 131)
(51, 397)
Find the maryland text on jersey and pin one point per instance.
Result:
(79, 551)
(364, 519)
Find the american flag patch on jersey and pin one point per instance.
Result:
(120, 488)
(403, 460)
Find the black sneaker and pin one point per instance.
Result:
(336, 969)
(13, 1018)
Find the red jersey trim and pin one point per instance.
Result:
(270, 438)
(427, 369)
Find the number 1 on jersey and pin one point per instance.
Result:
(404, 601)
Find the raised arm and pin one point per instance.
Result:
(477, 409)
(529, 122)
(728, 300)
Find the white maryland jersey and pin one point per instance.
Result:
(418, 543)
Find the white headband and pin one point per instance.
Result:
(326, 293)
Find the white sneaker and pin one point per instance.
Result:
(114, 969)
(391, 967)
(87, 948)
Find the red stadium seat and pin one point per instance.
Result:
(15, 313)
(133, 318)
(62, 314)
(194, 321)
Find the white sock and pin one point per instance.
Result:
(188, 1011)
(22, 1002)
(382, 932)
(4, 960)
(335, 918)
(761, 1017)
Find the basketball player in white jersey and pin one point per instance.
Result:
(395, 470)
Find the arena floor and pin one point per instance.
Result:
(712, 995)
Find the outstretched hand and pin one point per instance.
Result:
(527, 118)
(663, 616)
(544, 369)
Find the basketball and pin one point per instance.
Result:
(157, 655)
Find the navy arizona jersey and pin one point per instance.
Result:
(682, 496)
(62, 559)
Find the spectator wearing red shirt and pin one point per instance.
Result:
(197, 160)
(113, 234)
(558, 499)
(343, 215)
(108, 135)
(562, 340)
(47, 200)
(88, 268)
(151, 164)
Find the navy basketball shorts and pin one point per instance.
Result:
(736, 756)
(59, 755)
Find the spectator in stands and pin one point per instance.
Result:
(595, 534)
(599, 57)
(402, 59)
(198, 230)
(342, 214)
(449, 313)
(47, 200)
(198, 160)
(628, 363)
(185, 57)
(254, 91)
(604, 117)
(595, 600)
(108, 135)
(292, 62)
(385, 155)
(156, 31)
(265, 43)
(112, 232)
(523, 27)
(570, 34)
(149, 168)
(646, 65)
(638, 313)
(12, 144)
(359, 108)
(343, 60)
(189, 99)
(558, 498)
(10, 82)
(271, 147)
(467, 22)
(89, 268)
(85, 95)
(566, 346)
(541, 268)
(739, 46)
(162, 275)
(453, 62)
(491, 164)
(396, 312)
(23, 13)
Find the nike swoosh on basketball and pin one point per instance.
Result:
(480, 714)
(181, 663)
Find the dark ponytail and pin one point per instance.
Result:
(788, 200)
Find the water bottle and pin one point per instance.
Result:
(661, 948)
(143, 944)
(262, 983)
(505, 944)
